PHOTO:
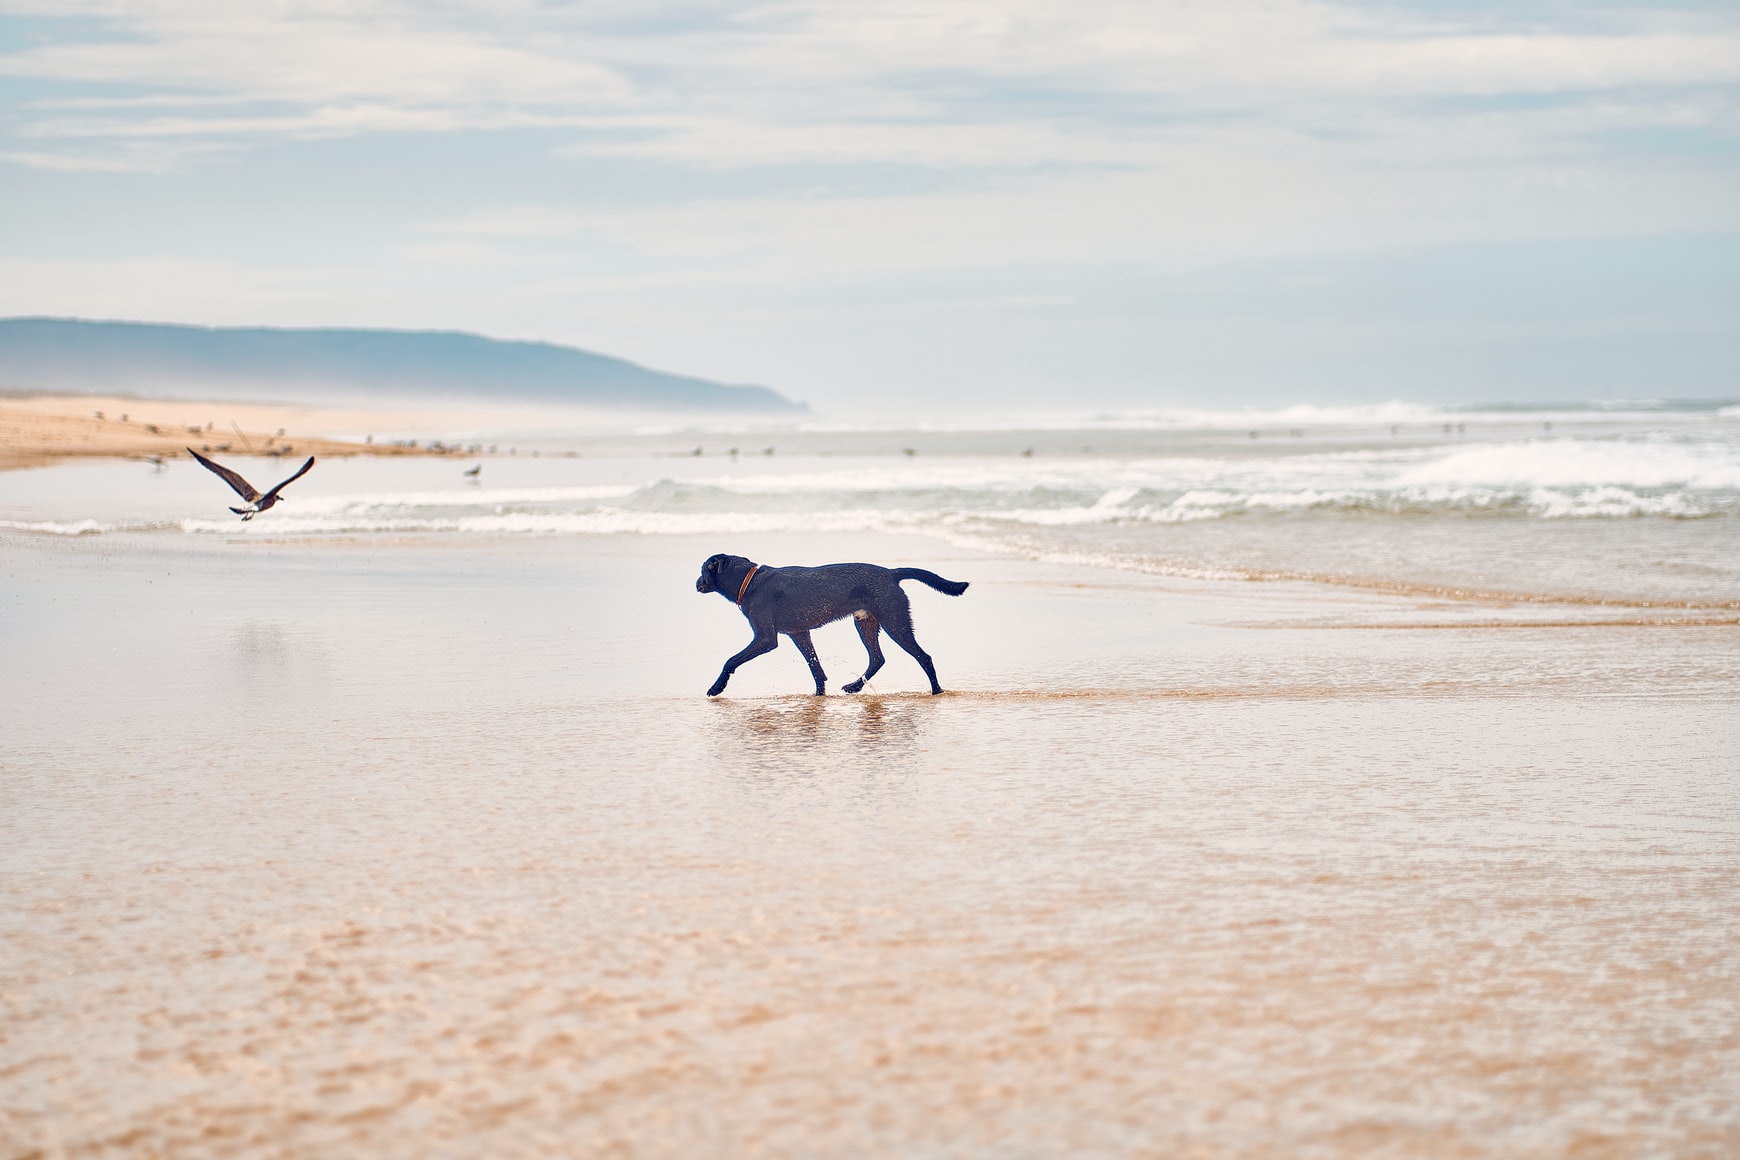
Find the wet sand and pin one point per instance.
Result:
(411, 848)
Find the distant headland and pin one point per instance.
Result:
(327, 365)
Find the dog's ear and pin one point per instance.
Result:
(712, 566)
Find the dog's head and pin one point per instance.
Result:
(708, 581)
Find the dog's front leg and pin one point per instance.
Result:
(755, 648)
(802, 640)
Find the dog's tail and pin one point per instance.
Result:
(947, 587)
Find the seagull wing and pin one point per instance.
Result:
(242, 486)
(300, 472)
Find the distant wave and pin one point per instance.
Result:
(1652, 463)
(1302, 415)
(1158, 419)
(1539, 462)
(59, 528)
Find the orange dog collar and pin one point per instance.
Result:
(744, 587)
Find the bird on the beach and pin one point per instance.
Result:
(257, 502)
(475, 471)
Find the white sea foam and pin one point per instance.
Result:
(455, 498)
(1053, 517)
(1609, 501)
(988, 475)
(57, 528)
(596, 522)
(1651, 463)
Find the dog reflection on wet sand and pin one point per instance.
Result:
(787, 726)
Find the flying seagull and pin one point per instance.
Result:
(257, 503)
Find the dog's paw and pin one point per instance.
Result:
(852, 688)
(718, 687)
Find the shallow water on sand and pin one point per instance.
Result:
(414, 849)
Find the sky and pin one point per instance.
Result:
(931, 206)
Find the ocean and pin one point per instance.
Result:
(1615, 505)
(1307, 783)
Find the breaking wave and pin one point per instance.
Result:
(1646, 476)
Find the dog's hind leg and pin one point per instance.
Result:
(802, 640)
(868, 630)
(898, 621)
(759, 645)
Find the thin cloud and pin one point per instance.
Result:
(350, 120)
(380, 54)
(825, 80)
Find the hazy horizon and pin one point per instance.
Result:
(955, 208)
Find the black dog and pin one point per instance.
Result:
(795, 600)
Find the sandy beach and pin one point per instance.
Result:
(411, 847)
(39, 429)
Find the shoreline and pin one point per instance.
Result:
(42, 429)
